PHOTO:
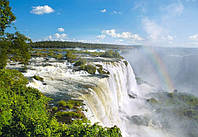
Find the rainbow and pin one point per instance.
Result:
(162, 70)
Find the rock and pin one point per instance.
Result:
(132, 95)
(140, 120)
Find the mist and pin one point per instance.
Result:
(179, 64)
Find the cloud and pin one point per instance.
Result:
(194, 37)
(123, 35)
(39, 10)
(101, 36)
(61, 29)
(155, 32)
(117, 12)
(103, 10)
(174, 9)
(58, 36)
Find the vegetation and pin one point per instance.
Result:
(6, 16)
(185, 105)
(101, 70)
(80, 62)
(70, 56)
(67, 44)
(12, 46)
(38, 78)
(91, 69)
(23, 112)
(126, 63)
(111, 54)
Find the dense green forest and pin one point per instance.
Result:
(25, 111)
(67, 44)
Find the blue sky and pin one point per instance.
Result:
(147, 22)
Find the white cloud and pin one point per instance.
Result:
(156, 32)
(193, 37)
(103, 10)
(117, 12)
(174, 9)
(39, 10)
(101, 36)
(61, 29)
(123, 35)
(58, 36)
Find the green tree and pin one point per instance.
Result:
(12, 46)
(6, 16)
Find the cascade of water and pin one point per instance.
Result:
(109, 99)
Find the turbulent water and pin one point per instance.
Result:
(121, 99)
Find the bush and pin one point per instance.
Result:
(89, 68)
(70, 56)
(126, 63)
(38, 78)
(54, 109)
(23, 109)
(62, 103)
(110, 54)
(80, 62)
(59, 56)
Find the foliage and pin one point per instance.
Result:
(6, 16)
(23, 109)
(62, 103)
(70, 56)
(89, 68)
(111, 54)
(81, 129)
(23, 112)
(80, 62)
(101, 70)
(126, 63)
(12, 46)
(38, 78)
(67, 44)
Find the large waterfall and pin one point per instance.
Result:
(108, 100)
(113, 99)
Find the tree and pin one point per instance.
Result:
(6, 16)
(12, 46)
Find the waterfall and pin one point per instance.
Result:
(108, 100)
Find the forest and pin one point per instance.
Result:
(68, 44)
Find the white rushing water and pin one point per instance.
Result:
(107, 98)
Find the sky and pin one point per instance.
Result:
(131, 22)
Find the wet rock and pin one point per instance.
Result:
(132, 95)
(140, 120)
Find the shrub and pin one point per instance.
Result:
(80, 62)
(126, 63)
(38, 78)
(89, 68)
(59, 56)
(111, 54)
(62, 103)
(70, 56)
(54, 109)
